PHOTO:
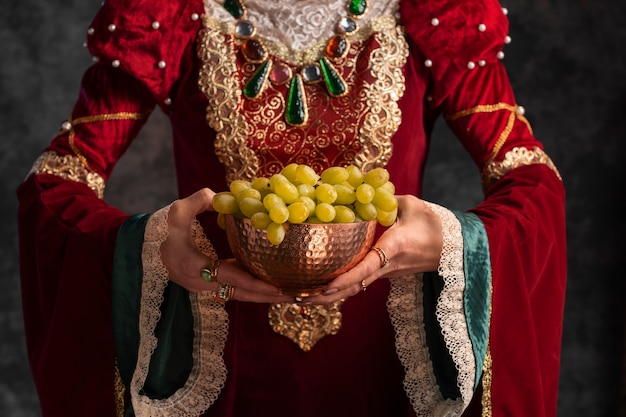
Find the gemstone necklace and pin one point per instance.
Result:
(254, 52)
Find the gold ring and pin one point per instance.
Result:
(384, 259)
(209, 272)
(363, 286)
(224, 293)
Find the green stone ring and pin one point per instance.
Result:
(209, 272)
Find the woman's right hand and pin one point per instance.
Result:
(184, 261)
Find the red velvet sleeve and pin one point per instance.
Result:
(67, 237)
(523, 211)
(67, 233)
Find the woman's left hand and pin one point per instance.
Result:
(412, 244)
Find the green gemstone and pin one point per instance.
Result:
(335, 84)
(297, 113)
(234, 7)
(255, 85)
(357, 7)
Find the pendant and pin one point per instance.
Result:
(234, 7)
(305, 326)
(334, 82)
(357, 7)
(297, 113)
(256, 84)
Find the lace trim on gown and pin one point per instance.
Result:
(210, 328)
(406, 310)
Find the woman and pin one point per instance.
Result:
(118, 316)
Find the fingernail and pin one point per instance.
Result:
(330, 291)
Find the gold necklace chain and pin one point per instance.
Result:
(254, 51)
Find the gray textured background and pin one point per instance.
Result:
(568, 65)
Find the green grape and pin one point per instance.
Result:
(225, 202)
(298, 212)
(275, 179)
(325, 212)
(326, 193)
(248, 193)
(249, 206)
(271, 200)
(386, 218)
(384, 200)
(389, 186)
(306, 175)
(275, 233)
(365, 211)
(287, 191)
(221, 221)
(290, 172)
(279, 214)
(365, 193)
(344, 214)
(306, 190)
(308, 202)
(355, 175)
(376, 177)
(260, 220)
(345, 194)
(238, 186)
(260, 183)
(335, 175)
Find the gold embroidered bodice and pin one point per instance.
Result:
(253, 139)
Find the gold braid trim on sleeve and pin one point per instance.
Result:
(517, 112)
(68, 167)
(515, 158)
(68, 127)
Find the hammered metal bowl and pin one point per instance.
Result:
(310, 256)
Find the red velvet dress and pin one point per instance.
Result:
(68, 234)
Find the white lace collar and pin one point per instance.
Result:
(298, 24)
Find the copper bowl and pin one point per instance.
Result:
(310, 256)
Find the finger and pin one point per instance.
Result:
(369, 268)
(231, 273)
(196, 203)
(247, 287)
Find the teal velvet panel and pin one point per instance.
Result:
(477, 296)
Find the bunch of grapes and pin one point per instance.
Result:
(299, 195)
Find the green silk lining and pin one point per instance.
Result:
(126, 293)
(172, 359)
(477, 296)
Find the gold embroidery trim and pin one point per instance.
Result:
(68, 167)
(491, 108)
(384, 116)
(120, 390)
(305, 326)
(487, 378)
(515, 158)
(487, 381)
(219, 82)
(68, 127)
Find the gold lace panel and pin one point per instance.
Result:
(68, 167)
